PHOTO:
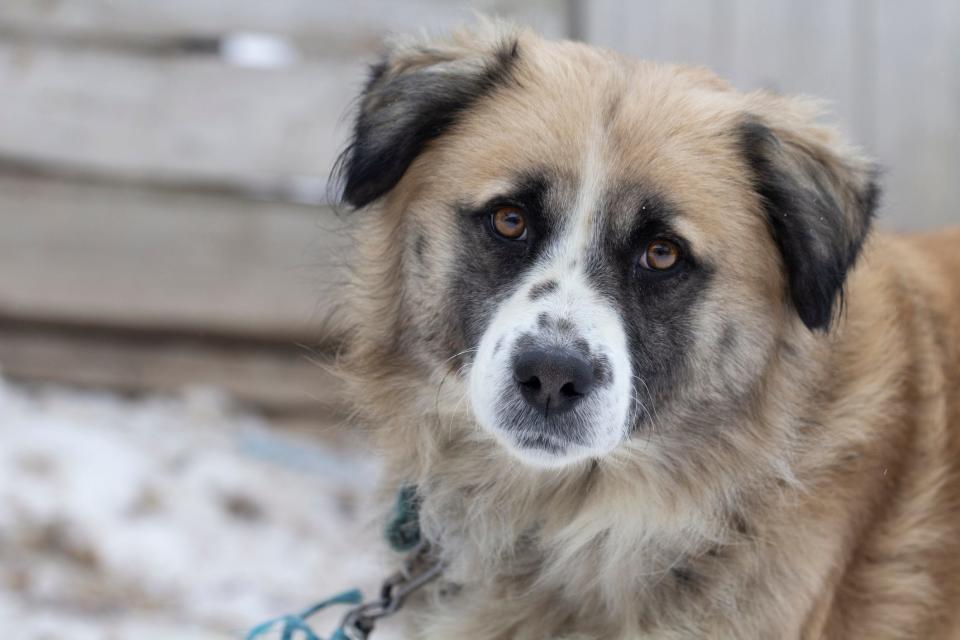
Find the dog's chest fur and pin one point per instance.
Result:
(651, 566)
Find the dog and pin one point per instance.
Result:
(629, 334)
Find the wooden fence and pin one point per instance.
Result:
(163, 165)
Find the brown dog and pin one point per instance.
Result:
(629, 334)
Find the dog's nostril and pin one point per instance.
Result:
(532, 383)
(553, 379)
(570, 391)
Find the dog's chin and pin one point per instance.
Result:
(549, 452)
(552, 459)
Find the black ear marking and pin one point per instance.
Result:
(819, 207)
(403, 107)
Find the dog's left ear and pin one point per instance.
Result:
(819, 199)
(415, 93)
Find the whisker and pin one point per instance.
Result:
(654, 416)
(436, 401)
(457, 355)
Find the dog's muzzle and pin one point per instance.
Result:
(551, 379)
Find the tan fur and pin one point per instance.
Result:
(831, 511)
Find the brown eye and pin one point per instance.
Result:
(660, 255)
(509, 223)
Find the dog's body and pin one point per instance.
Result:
(725, 453)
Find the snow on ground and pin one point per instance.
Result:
(171, 517)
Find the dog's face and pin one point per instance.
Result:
(596, 248)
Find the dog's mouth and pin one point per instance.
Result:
(552, 442)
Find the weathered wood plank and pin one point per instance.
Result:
(176, 119)
(918, 112)
(198, 119)
(278, 378)
(158, 259)
(349, 26)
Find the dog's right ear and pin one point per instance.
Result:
(819, 199)
(414, 94)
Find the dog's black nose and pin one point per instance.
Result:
(552, 379)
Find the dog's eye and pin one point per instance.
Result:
(509, 223)
(660, 255)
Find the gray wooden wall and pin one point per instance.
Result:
(163, 164)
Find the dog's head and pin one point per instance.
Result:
(592, 247)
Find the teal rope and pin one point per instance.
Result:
(298, 622)
(403, 534)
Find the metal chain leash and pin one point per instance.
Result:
(420, 566)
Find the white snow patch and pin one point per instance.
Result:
(171, 517)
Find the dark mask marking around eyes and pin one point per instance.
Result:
(657, 311)
(490, 269)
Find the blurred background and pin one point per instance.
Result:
(174, 460)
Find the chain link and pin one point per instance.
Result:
(419, 568)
